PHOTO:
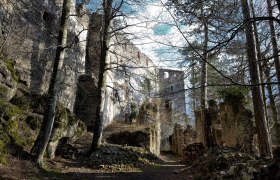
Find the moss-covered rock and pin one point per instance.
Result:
(15, 134)
(66, 126)
(3, 153)
(8, 79)
(21, 120)
(34, 121)
(22, 100)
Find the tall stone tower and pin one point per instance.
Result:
(171, 90)
(171, 83)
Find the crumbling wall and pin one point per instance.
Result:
(155, 138)
(237, 127)
(181, 138)
(166, 126)
(231, 124)
(171, 84)
(150, 116)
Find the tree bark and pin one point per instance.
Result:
(259, 58)
(98, 127)
(46, 129)
(274, 44)
(276, 127)
(278, 4)
(258, 104)
(208, 139)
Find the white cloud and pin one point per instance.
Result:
(150, 43)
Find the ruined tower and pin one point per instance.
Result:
(171, 83)
(171, 90)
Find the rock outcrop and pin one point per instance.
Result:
(30, 30)
(67, 127)
(21, 118)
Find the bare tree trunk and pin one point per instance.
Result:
(46, 129)
(259, 58)
(264, 70)
(274, 43)
(98, 127)
(276, 126)
(264, 145)
(278, 4)
(208, 139)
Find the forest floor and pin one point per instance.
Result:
(26, 169)
(114, 162)
(66, 167)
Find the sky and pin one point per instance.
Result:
(155, 31)
(158, 35)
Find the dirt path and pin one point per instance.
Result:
(69, 170)
(163, 171)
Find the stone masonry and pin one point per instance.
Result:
(231, 123)
(171, 86)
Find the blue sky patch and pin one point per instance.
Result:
(162, 29)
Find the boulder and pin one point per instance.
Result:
(15, 134)
(67, 127)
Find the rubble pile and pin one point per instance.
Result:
(137, 138)
(118, 158)
(192, 152)
(229, 163)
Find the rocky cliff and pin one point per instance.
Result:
(29, 37)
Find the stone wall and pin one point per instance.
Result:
(171, 84)
(171, 90)
(237, 127)
(181, 138)
(231, 124)
(150, 115)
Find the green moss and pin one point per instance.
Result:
(34, 122)
(3, 90)
(3, 153)
(22, 101)
(8, 109)
(10, 122)
(10, 66)
(12, 127)
(3, 160)
(61, 117)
